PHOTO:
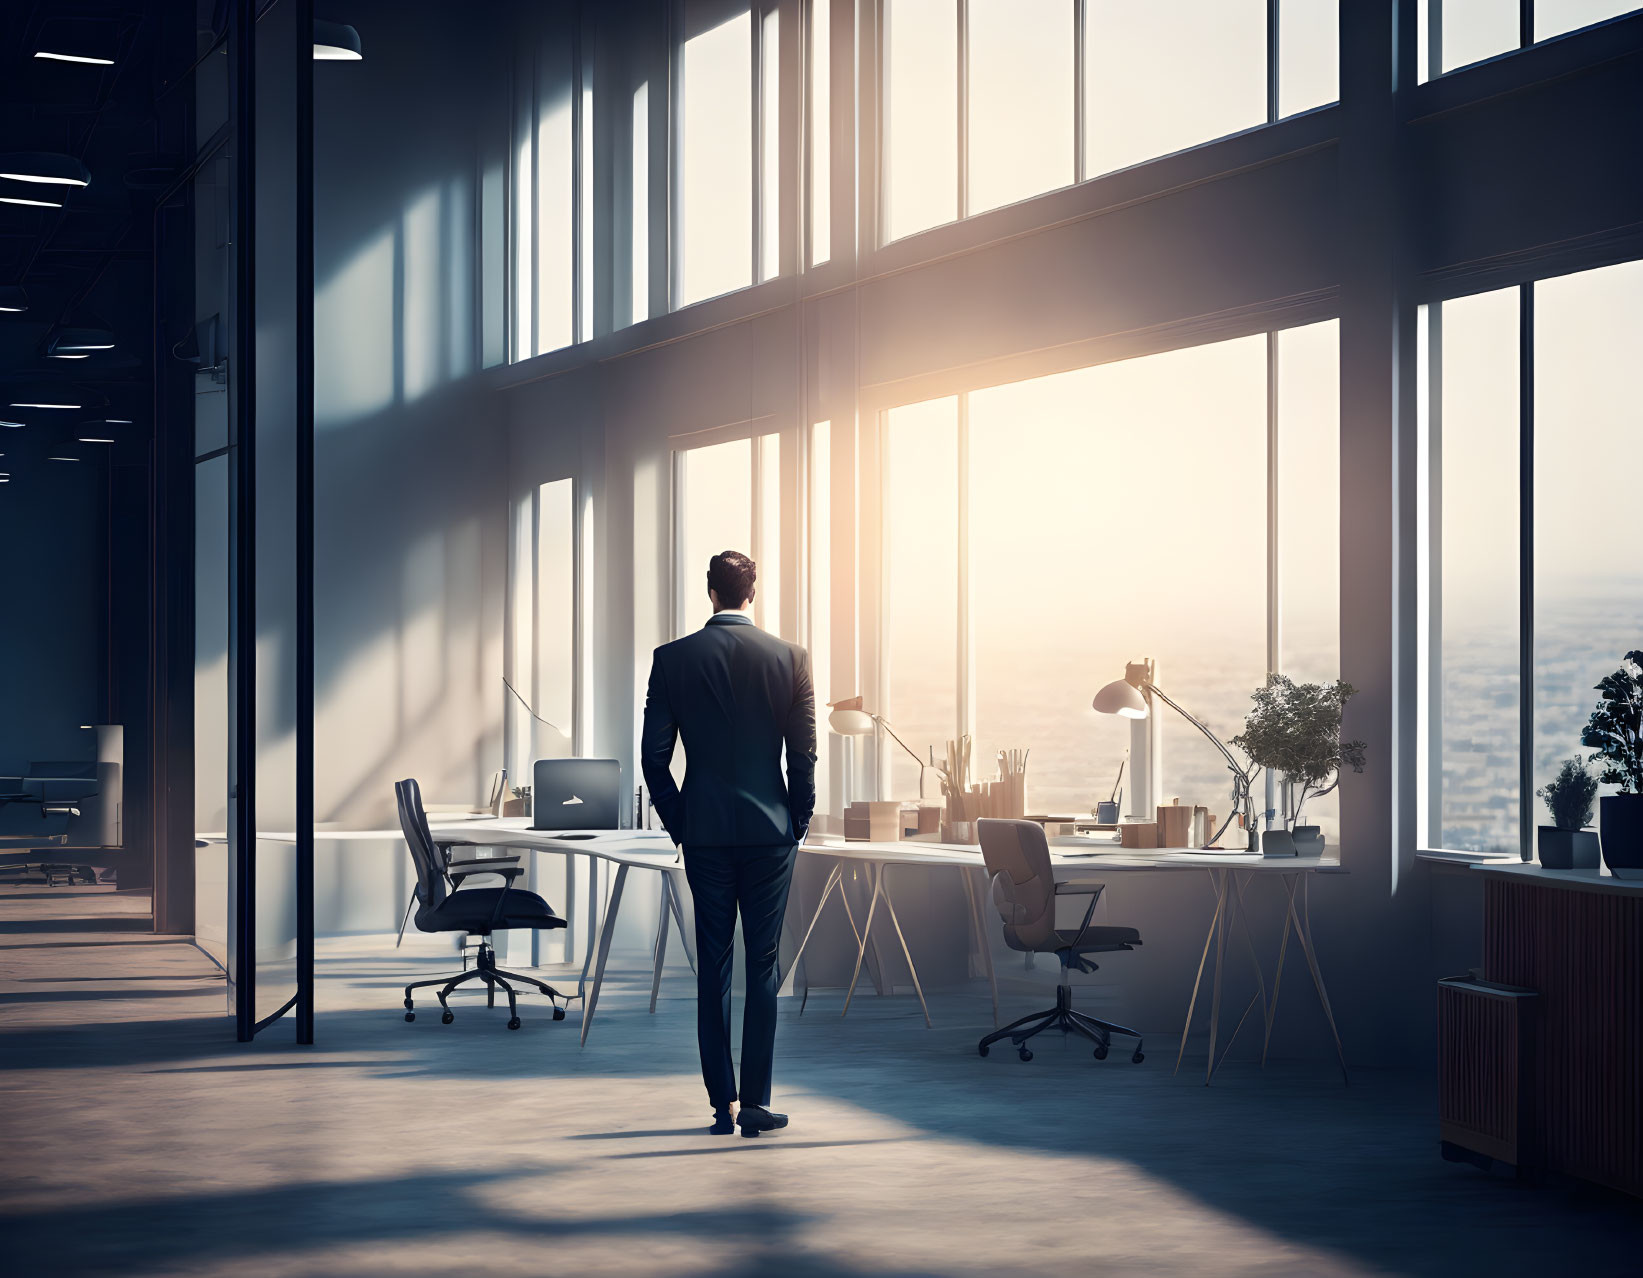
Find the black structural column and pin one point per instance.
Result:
(305, 521)
(243, 824)
(1377, 497)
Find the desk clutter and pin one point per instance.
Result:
(963, 802)
(1004, 797)
(1178, 825)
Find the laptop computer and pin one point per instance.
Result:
(576, 794)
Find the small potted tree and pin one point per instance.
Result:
(1295, 730)
(1615, 731)
(1566, 844)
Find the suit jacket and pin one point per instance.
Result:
(736, 696)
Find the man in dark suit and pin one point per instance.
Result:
(737, 696)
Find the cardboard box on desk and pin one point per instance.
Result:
(873, 821)
(1138, 834)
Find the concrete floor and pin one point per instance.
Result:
(138, 1138)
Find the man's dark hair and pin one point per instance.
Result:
(731, 575)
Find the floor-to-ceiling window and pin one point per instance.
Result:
(1040, 534)
(728, 497)
(819, 67)
(551, 239)
(820, 578)
(919, 601)
(539, 695)
(986, 102)
(717, 158)
(1457, 33)
(1532, 586)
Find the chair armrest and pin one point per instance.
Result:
(1093, 891)
(507, 866)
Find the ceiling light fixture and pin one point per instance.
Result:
(65, 355)
(81, 339)
(62, 459)
(13, 299)
(87, 439)
(336, 42)
(33, 204)
(90, 42)
(48, 167)
(75, 57)
(43, 406)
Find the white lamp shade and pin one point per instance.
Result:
(1122, 698)
(851, 723)
(336, 42)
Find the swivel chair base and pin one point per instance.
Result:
(1065, 1018)
(486, 970)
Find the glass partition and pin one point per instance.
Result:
(273, 446)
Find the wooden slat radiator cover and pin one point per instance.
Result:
(1582, 952)
(1486, 1037)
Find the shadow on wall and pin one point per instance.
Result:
(409, 453)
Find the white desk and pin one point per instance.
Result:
(1073, 860)
(625, 850)
(1086, 859)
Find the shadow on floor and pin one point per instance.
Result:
(112, 923)
(1350, 1170)
(252, 1224)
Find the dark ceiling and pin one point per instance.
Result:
(90, 262)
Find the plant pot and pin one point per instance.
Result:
(1277, 843)
(1309, 840)
(1567, 849)
(1623, 834)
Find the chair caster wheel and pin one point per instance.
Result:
(1137, 1058)
(447, 1018)
(1025, 1054)
(558, 1013)
(1100, 1051)
(514, 1023)
(982, 1050)
(410, 1016)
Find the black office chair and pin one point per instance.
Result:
(441, 907)
(1024, 890)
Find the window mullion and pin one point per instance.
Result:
(966, 646)
(1271, 61)
(1526, 570)
(1081, 16)
(529, 230)
(756, 141)
(578, 160)
(1431, 830)
(963, 165)
(1274, 578)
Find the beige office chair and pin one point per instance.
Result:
(1024, 890)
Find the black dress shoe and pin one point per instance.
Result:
(753, 1119)
(723, 1123)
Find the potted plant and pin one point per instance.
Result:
(1615, 732)
(1566, 844)
(1295, 730)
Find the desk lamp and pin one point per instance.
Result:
(850, 720)
(1131, 698)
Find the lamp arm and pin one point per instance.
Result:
(880, 720)
(1214, 740)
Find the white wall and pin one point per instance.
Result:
(410, 448)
